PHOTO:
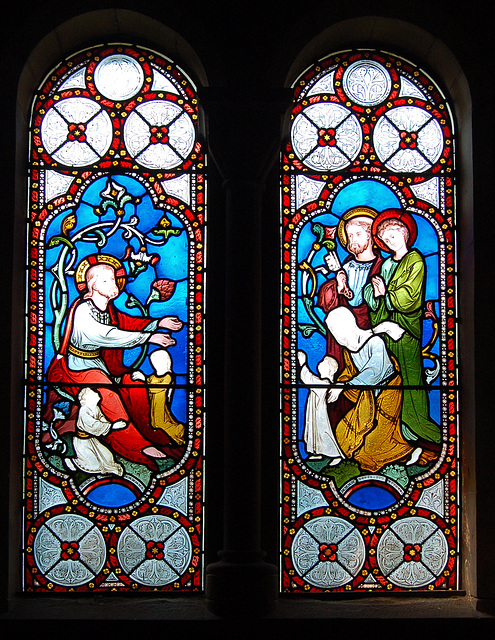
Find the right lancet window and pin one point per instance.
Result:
(369, 395)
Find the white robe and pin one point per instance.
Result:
(91, 330)
(92, 456)
(318, 434)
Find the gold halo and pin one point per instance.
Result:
(355, 212)
(93, 260)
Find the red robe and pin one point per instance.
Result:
(118, 402)
(328, 299)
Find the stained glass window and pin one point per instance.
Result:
(114, 372)
(369, 398)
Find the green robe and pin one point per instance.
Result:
(403, 304)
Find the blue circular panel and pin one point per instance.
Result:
(111, 495)
(372, 498)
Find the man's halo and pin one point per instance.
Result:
(355, 212)
(93, 260)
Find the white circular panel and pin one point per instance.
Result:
(76, 132)
(412, 552)
(159, 134)
(408, 139)
(69, 550)
(326, 136)
(154, 550)
(328, 552)
(118, 77)
(367, 82)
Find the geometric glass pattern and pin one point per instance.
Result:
(369, 326)
(114, 366)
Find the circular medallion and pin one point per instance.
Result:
(326, 136)
(159, 134)
(154, 550)
(328, 552)
(76, 132)
(118, 77)
(408, 139)
(69, 550)
(367, 83)
(412, 552)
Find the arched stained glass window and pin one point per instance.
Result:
(114, 386)
(369, 331)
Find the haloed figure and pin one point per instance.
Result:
(362, 263)
(92, 354)
(397, 294)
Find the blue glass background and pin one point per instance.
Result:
(173, 264)
(379, 196)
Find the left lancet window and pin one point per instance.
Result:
(114, 372)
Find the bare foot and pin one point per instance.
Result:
(153, 452)
(415, 456)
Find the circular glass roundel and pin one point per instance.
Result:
(408, 139)
(412, 552)
(76, 132)
(326, 136)
(367, 83)
(154, 550)
(159, 134)
(69, 550)
(328, 552)
(118, 77)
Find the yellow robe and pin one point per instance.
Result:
(161, 416)
(370, 431)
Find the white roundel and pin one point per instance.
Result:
(69, 550)
(159, 134)
(154, 550)
(412, 552)
(328, 552)
(367, 82)
(76, 132)
(408, 139)
(326, 136)
(118, 77)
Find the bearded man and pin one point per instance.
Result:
(92, 354)
(363, 263)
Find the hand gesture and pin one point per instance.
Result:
(302, 358)
(342, 286)
(172, 323)
(162, 340)
(120, 424)
(138, 375)
(379, 288)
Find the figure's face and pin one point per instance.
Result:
(358, 238)
(105, 283)
(394, 238)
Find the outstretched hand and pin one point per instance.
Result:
(172, 323)
(162, 340)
